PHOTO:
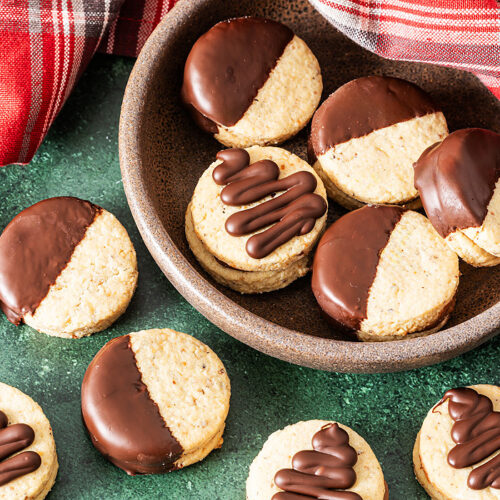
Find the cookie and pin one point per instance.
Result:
(67, 268)
(384, 273)
(366, 136)
(155, 401)
(251, 81)
(254, 218)
(316, 459)
(457, 451)
(459, 183)
(28, 459)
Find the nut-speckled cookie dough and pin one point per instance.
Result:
(457, 451)
(251, 81)
(366, 136)
(155, 401)
(28, 459)
(459, 184)
(316, 458)
(384, 272)
(67, 268)
(272, 249)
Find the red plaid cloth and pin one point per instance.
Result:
(463, 34)
(46, 44)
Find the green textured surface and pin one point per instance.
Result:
(80, 158)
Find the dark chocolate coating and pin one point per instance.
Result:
(35, 247)
(362, 106)
(321, 472)
(456, 179)
(228, 65)
(292, 213)
(477, 433)
(124, 423)
(14, 438)
(346, 261)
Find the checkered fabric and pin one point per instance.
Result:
(46, 44)
(463, 34)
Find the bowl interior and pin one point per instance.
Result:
(173, 152)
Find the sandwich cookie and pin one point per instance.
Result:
(366, 136)
(67, 268)
(314, 460)
(28, 459)
(251, 81)
(459, 183)
(384, 272)
(457, 451)
(155, 401)
(254, 218)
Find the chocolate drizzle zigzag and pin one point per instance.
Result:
(321, 472)
(476, 432)
(15, 438)
(293, 213)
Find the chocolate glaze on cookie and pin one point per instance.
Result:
(292, 213)
(322, 471)
(124, 423)
(228, 65)
(346, 262)
(476, 432)
(363, 106)
(456, 179)
(14, 438)
(35, 247)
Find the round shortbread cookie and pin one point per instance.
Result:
(431, 453)
(67, 268)
(459, 184)
(251, 81)
(210, 213)
(351, 459)
(155, 401)
(366, 136)
(384, 272)
(243, 281)
(28, 459)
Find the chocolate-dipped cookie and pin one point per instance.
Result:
(155, 401)
(251, 81)
(366, 136)
(316, 459)
(459, 183)
(28, 459)
(457, 451)
(254, 218)
(384, 273)
(67, 268)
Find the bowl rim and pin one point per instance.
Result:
(265, 336)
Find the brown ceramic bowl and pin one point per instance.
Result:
(162, 155)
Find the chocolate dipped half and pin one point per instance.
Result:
(365, 137)
(458, 182)
(67, 268)
(241, 82)
(383, 273)
(155, 401)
